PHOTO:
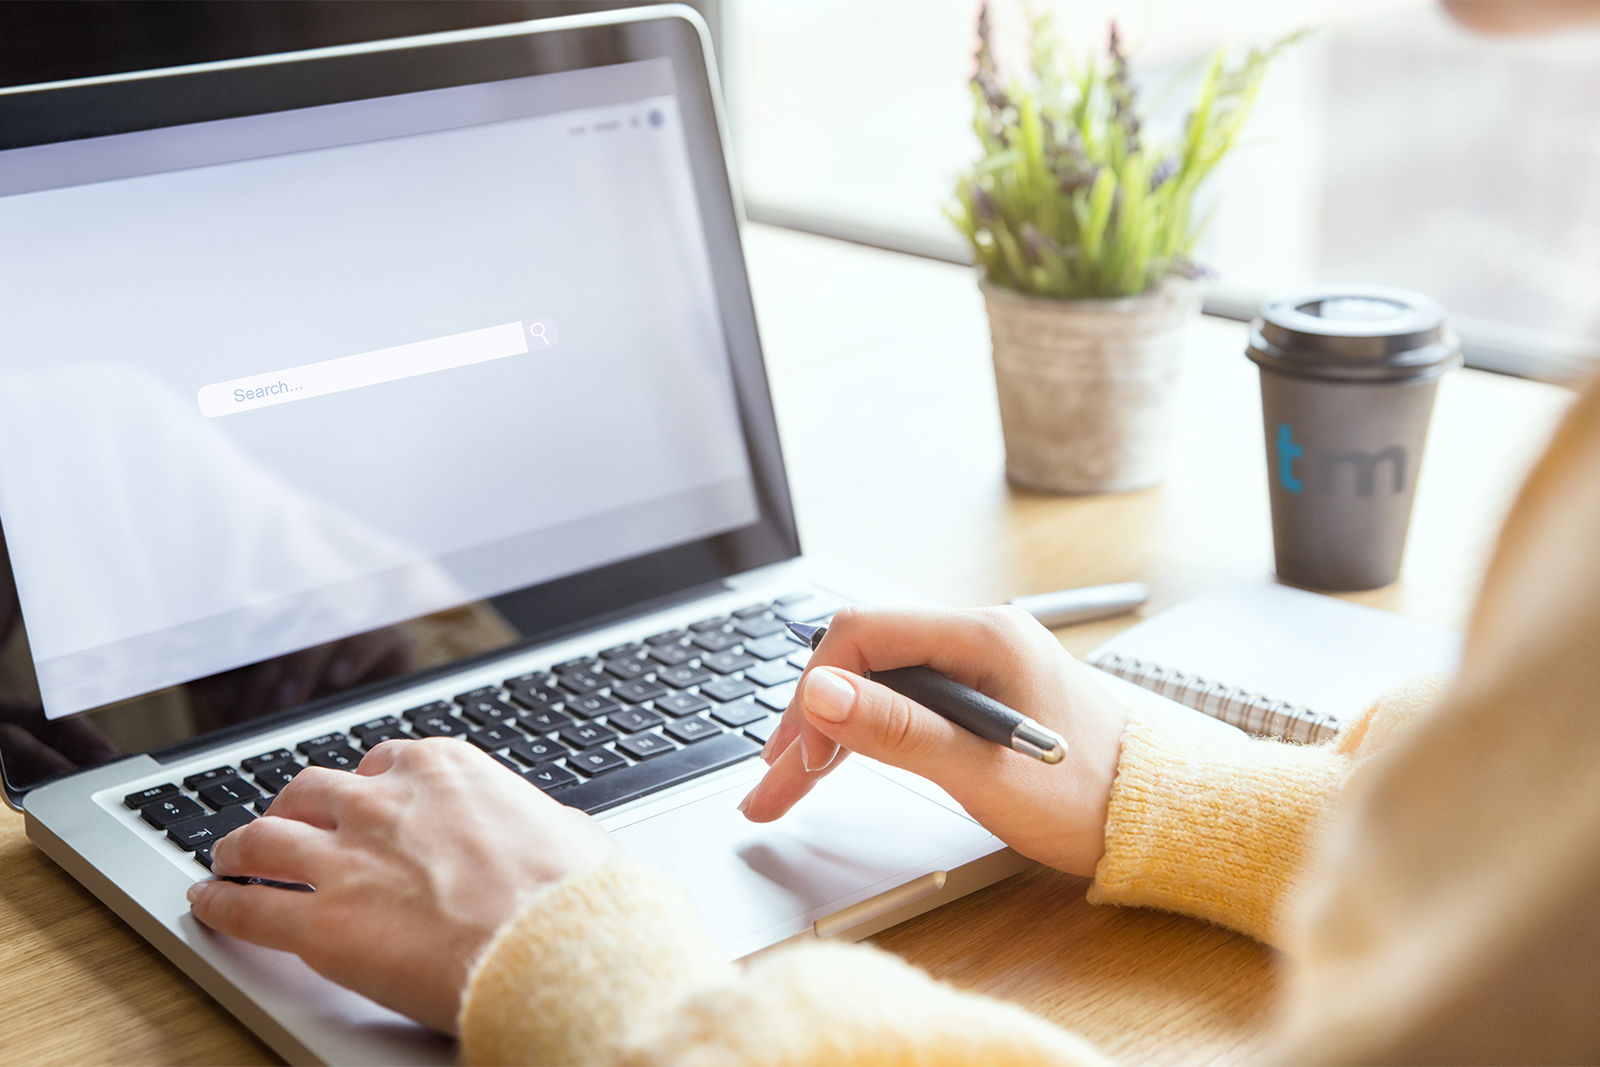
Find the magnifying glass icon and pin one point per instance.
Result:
(536, 329)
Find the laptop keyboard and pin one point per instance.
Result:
(593, 732)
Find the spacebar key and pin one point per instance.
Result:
(621, 786)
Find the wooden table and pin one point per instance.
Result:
(886, 402)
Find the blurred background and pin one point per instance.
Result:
(1392, 146)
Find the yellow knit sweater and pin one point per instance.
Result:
(1432, 874)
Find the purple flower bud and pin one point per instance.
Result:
(1164, 170)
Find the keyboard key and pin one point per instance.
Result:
(590, 706)
(388, 722)
(377, 736)
(219, 795)
(202, 856)
(644, 746)
(485, 692)
(325, 741)
(809, 610)
(709, 624)
(550, 777)
(587, 734)
(277, 776)
(800, 659)
(204, 831)
(671, 655)
(632, 720)
(145, 796)
(255, 763)
(792, 598)
(438, 707)
(682, 704)
(168, 810)
(438, 726)
(336, 757)
(761, 731)
(778, 697)
(504, 761)
(760, 627)
(775, 647)
(493, 738)
(543, 722)
(683, 677)
(630, 783)
(581, 682)
(195, 781)
(668, 637)
(692, 729)
(740, 713)
(539, 750)
(625, 670)
(726, 662)
(531, 678)
(752, 611)
(596, 761)
(725, 689)
(536, 695)
(582, 663)
(488, 711)
(260, 807)
(773, 673)
(716, 640)
(638, 692)
(633, 648)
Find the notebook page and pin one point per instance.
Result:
(1288, 644)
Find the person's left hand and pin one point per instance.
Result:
(416, 859)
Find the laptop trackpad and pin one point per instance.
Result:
(856, 835)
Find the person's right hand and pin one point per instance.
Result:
(1052, 813)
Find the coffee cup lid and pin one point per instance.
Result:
(1353, 332)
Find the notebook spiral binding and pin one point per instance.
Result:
(1250, 712)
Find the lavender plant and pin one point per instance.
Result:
(1071, 198)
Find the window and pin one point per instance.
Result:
(1394, 146)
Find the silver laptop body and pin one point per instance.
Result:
(410, 389)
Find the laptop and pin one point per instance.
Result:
(410, 389)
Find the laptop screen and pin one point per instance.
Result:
(335, 378)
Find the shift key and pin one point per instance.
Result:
(208, 829)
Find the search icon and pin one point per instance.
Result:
(541, 333)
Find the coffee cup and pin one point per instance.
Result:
(1348, 377)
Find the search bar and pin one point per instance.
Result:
(373, 368)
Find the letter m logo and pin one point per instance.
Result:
(1365, 468)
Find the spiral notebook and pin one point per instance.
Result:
(1275, 661)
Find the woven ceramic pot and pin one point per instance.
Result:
(1086, 386)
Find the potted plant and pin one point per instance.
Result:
(1081, 223)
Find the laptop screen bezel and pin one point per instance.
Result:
(259, 85)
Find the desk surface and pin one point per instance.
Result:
(886, 403)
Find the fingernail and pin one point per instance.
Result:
(745, 803)
(194, 892)
(824, 756)
(766, 750)
(829, 696)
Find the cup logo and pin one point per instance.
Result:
(1327, 464)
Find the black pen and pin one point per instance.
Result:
(967, 708)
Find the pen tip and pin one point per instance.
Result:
(811, 635)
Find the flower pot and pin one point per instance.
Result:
(1086, 386)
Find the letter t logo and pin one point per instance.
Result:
(1288, 451)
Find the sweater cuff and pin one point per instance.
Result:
(1215, 828)
(583, 964)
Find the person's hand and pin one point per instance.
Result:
(1052, 813)
(416, 859)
